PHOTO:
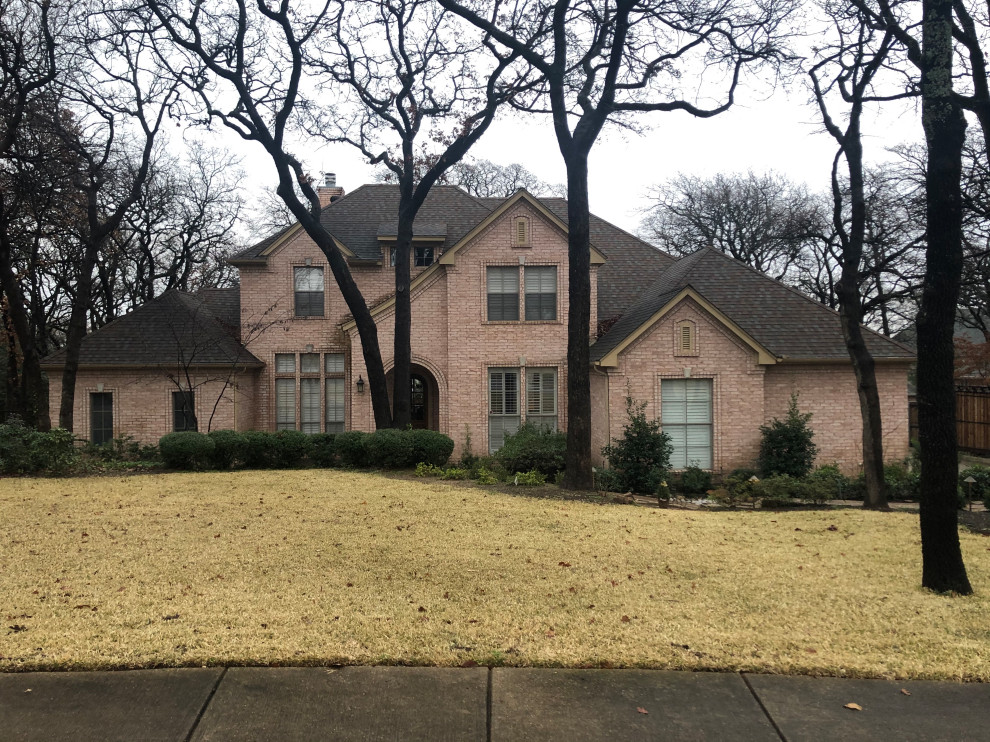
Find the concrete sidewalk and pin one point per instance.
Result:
(478, 704)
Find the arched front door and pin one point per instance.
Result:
(424, 397)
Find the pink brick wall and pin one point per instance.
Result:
(142, 401)
(829, 393)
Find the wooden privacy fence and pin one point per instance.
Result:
(972, 418)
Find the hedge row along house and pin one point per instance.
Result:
(713, 347)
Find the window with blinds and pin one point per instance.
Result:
(503, 293)
(334, 363)
(541, 398)
(308, 291)
(335, 406)
(285, 363)
(309, 405)
(541, 292)
(285, 404)
(309, 363)
(686, 416)
(503, 405)
(100, 418)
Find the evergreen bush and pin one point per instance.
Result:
(695, 481)
(390, 449)
(352, 449)
(187, 450)
(641, 456)
(434, 448)
(228, 448)
(288, 448)
(534, 448)
(323, 449)
(788, 445)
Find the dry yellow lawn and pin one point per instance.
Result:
(310, 567)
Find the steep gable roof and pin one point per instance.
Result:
(775, 316)
(175, 328)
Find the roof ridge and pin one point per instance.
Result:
(797, 292)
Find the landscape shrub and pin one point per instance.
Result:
(642, 455)
(434, 448)
(53, 452)
(123, 448)
(288, 448)
(15, 447)
(352, 449)
(323, 449)
(695, 481)
(739, 487)
(608, 480)
(454, 472)
(389, 449)
(778, 490)
(484, 475)
(980, 488)
(902, 484)
(532, 478)
(228, 448)
(788, 445)
(187, 450)
(533, 448)
(256, 452)
(829, 479)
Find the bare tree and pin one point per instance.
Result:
(487, 179)
(765, 220)
(600, 61)
(415, 79)
(245, 65)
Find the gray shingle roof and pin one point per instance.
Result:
(175, 328)
(354, 219)
(781, 319)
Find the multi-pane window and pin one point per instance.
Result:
(308, 291)
(318, 389)
(541, 292)
(183, 410)
(100, 417)
(686, 416)
(503, 293)
(422, 256)
(503, 405)
(541, 397)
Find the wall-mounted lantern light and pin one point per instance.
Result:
(360, 385)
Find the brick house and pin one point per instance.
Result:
(713, 347)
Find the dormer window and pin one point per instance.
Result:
(423, 256)
(520, 232)
(685, 339)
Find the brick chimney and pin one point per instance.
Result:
(328, 190)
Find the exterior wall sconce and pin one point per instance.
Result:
(360, 385)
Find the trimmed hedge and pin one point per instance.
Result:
(430, 446)
(283, 449)
(352, 449)
(533, 449)
(186, 450)
(390, 449)
(228, 448)
(24, 450)
(323, 449)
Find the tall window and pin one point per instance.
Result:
(285, 404)
(503, 405)
(541, 397)
(503, 293)
(100, 417)
(184, 410)
(686, 416)
(334, 366)
(422, 256)
(309, 291)
(541, 292)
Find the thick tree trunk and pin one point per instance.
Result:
(578, 474)
(401, 343)
(945, 129)
(851, 314)
(32, 389)
(75, 333)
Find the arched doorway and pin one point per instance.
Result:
(424, 397)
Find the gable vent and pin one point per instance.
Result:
(521, 236)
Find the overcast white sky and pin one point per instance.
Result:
(781, 133)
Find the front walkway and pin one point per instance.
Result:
(479, 705)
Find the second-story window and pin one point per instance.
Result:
(503, 293)
(541, 292)
(308, 291)
(422, 256)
